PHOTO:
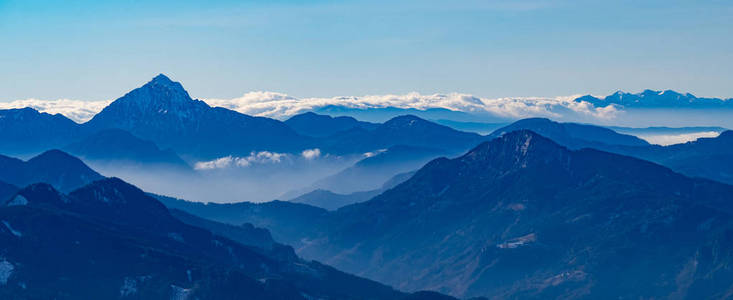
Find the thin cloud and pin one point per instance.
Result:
(311, 154)
(254, 158)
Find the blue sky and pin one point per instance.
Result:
(94, 50)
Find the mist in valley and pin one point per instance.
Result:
(229, 181)
(264, 176)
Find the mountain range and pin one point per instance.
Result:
(405, 130)
(156, 133)
(372, 172)
(54, 167)
(572, 135)
(163, 113)
(26, 131)
(523, 217)
(110, 240)
(315, 125)
(710, 158)
(657, 99)
(537, 209)
(332, 201)
(116, 146)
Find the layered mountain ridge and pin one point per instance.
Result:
(54, 167)
(162, 111)
(572, 135)
(121, 243)
(710, 158)
(523, 217)
(657, 99)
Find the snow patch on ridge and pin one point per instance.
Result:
(518, 242)
(129, 287)
(10, 228)
(18, 200)
(6, 270)
(179, 293)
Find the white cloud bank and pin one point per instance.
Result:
(670, 139)
(278, 105)
(254, 158)
(78, 110)
(311, 154)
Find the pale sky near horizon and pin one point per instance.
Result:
(93, 50)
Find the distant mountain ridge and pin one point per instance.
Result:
(121, 147)
(54, 167)
(371, 172)
(162, 112)
(571, 135)
(26, 131)
(7, 190)
(315, 125)
(657, 99)
(710, 158)
(407, 130)
(332, 201)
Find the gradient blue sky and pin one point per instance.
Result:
(94, 50)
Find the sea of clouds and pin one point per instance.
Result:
(77, 110)
(670, 139)
(280, 106)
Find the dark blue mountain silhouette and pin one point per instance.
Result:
(26, 131)
(7, 190)
(571, 135)
(710, 158)
(285, 220)
(119, 146)
(332, 201)
(371, 172)
(405, 130)
(54, 167)
(162, 111)
(523, 217)
(657, 99)
(111, 240)
(315, 125)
